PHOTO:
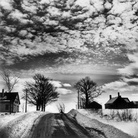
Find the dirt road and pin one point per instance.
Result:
(49, 125)
(58, 126)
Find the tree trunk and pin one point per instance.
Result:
(45, 107)
(37, 107)
(42, 106)
(87, 100)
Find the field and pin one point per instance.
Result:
(125, 120)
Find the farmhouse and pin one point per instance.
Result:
(9, 102)
(120, 103)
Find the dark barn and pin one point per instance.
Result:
(91, 105)
(94, 105)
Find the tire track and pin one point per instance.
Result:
(43, 128)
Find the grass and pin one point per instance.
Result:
(118, 115)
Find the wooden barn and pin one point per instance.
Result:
(119, 102)
(94, 105)
(9, 102)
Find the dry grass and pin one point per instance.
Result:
(118, 115)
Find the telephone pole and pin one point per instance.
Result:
(26, 102)
(78, 100)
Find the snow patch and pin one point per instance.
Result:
(130, 128)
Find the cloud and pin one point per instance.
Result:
(6, 4)
(115, 86)
(57, 84)
(104, 31)
(132, 67)
(61, 87)
(60, 84)
(66, 85)
(124, 85)
(66, 69)
(82, 37)
(63, 91)
(136, 94)
(131, 81)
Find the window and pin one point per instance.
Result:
(7, 107)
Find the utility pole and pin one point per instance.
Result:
(78, 100)
(10, 107)
(26, 102)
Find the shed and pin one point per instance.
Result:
(94, 105)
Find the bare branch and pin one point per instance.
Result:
(88, 90)
(9, 80)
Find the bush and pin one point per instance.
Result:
(122, 115)
(126, 115)
(61, 108)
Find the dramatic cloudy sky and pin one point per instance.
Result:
(67, 40)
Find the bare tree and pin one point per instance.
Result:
(40, 92)
(87, 90)
(9, 80)
(61, 108)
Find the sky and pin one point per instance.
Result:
(67, 40)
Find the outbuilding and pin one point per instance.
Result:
(94, 105)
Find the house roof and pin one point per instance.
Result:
(94, 105)
(94, 102)
(135, 102)
(112, 100)
(126, 99)
(10, 96)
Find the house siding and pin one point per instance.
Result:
(15, 108)
(3, 107)
(9, 102)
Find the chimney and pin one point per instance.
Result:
(2, 92)
(110, 96)
(119, 94)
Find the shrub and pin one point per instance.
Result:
(122, 115)
(61, 108)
